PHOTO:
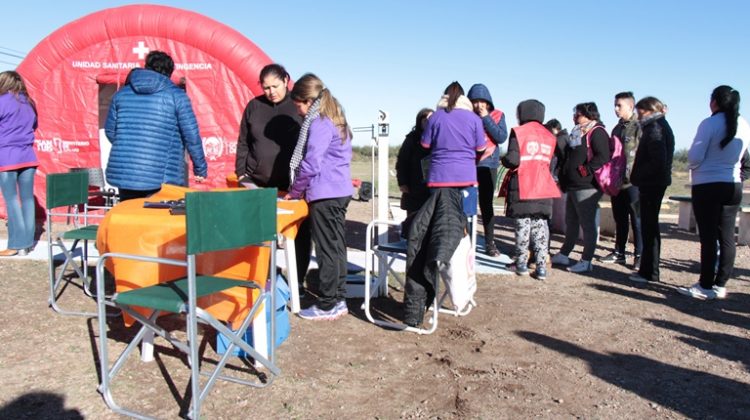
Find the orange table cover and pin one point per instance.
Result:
(288, 224)
(132, 229)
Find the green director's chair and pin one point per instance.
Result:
(70, 191)
(215, 221)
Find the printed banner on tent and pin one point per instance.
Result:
(73, 73)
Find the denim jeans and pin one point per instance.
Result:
(17, 184)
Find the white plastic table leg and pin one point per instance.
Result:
(147, 347)
(260, 334)
(290, 253)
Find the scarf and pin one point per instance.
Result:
(574, 140)
(650, 118)
(299, 150)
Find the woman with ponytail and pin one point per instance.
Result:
(454, 135)
(715, 160)
(319, 172)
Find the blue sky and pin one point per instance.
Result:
(399, 55)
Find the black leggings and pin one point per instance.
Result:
(486, 179)
(715, 206)
(328, 228)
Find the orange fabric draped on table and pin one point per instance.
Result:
(132, 229)
(288, 223)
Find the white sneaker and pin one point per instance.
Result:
(721, 292)
(560, 259)
(582, 266)
(696, 291)
(316, 314)
(638, 278)
(341, 308)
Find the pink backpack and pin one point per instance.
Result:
(609, 177)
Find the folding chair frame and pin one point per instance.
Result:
(190, 346)
(56, 280)
(379, 284)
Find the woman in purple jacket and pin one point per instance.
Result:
(18, 162)
(319, 172)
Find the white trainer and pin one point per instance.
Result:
(638, 278)
(582, 266)
(721, 292)
(696, 291)
(560, 259)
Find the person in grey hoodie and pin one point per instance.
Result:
(496, 134)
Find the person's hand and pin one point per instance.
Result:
(404, 189)
(199, 179)
(482, 109)
(287, 196)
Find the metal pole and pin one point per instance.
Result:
(383, 178)
(373, 145)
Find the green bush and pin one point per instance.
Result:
(364, 153)
(680, 160)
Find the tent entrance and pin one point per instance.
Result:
(109, 84)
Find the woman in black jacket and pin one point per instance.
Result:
(268, 133)
(577, 181)
(409, 174)
(652, 174)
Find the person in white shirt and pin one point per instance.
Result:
(715, 160)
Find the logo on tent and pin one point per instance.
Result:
(213, 147)
(141, 50)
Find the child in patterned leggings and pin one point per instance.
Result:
(529, 186)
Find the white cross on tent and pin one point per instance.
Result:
(141, 50)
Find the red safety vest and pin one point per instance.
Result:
(536, 147)
(490, 145)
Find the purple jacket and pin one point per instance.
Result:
(324, 171)
(454, 138)
(17, 125)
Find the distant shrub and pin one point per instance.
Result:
(364, 153)
(680, 160)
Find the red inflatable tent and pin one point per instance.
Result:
(73, 73)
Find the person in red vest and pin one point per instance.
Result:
(530, 186)
(495, 134)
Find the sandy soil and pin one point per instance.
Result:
(573, 346)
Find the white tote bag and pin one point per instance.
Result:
(459, 274)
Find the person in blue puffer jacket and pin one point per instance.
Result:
(150, 124)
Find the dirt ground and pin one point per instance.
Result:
(573, 346)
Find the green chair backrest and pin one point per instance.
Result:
(67, 189)
(217, 220)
